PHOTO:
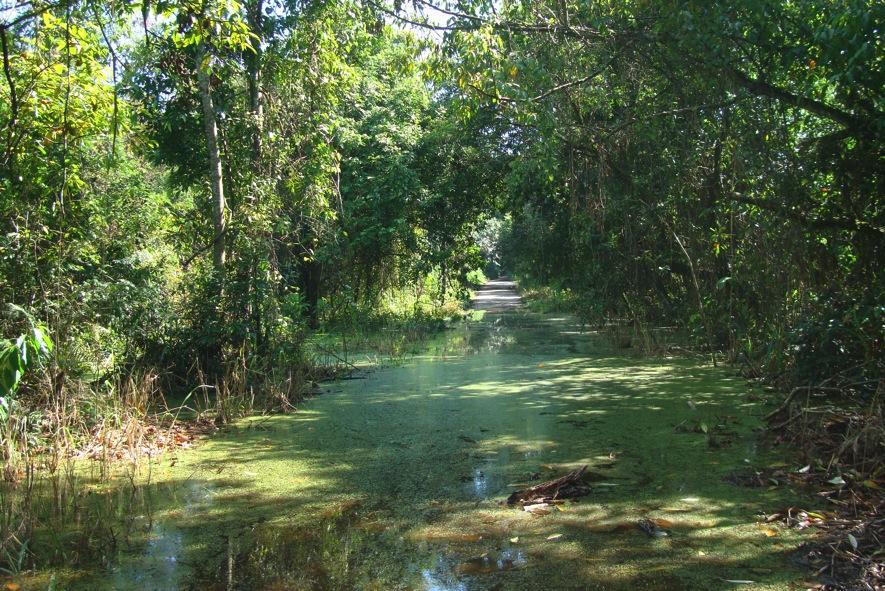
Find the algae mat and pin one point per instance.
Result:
(396, 481)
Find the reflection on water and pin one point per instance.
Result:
(158, 565)
(449, 573)
(508, 559)
(485, 480)
(243, 553)
(442, 577)
(480, 484)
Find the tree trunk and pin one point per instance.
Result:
(311, 276)
(253, 65)
(216, 181)
(254, 18)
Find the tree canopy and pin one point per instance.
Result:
(184, 183)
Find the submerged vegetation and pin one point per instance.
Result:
(208, 208)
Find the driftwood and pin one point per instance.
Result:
(569, 486)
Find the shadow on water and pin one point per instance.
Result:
(396, 482)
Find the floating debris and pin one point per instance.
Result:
(569, 486)
(537, 509)
(651, 528)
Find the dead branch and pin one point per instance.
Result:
(564, 487)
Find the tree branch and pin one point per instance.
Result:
(579, 32)
(13, 97)
(114, 60)
(761, 87)
(571, 83)
(34, 13)
(810, 223)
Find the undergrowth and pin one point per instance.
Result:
(72, 413)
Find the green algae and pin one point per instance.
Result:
(395, 481)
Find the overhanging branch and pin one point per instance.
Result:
(763, 88)
(7, 73)
(476, 23)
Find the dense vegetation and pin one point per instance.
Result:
(192, 190)
(189, 189)
(711, 165)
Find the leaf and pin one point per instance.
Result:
(538, 509)
(704, 428)
(853, 541)
(514, 540)
(554, 538)
(21, 344)
(804, 470)
(769, 533)
(837, 480)
(44, 343)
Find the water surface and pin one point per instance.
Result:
(396, 481)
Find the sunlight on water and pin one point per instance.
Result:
(397, 481)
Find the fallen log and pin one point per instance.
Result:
(569, 486)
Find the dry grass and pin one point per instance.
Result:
(842, 434)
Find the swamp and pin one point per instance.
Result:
(442, 295)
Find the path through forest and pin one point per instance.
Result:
(497, 295)
(396, 480)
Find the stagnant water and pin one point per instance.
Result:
(396, 481)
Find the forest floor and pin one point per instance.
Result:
(396, 479)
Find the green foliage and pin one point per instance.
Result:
(352, 191)
(545, 300)
(839, 339)
(27, 352)
(708, 165)
(476, 277)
